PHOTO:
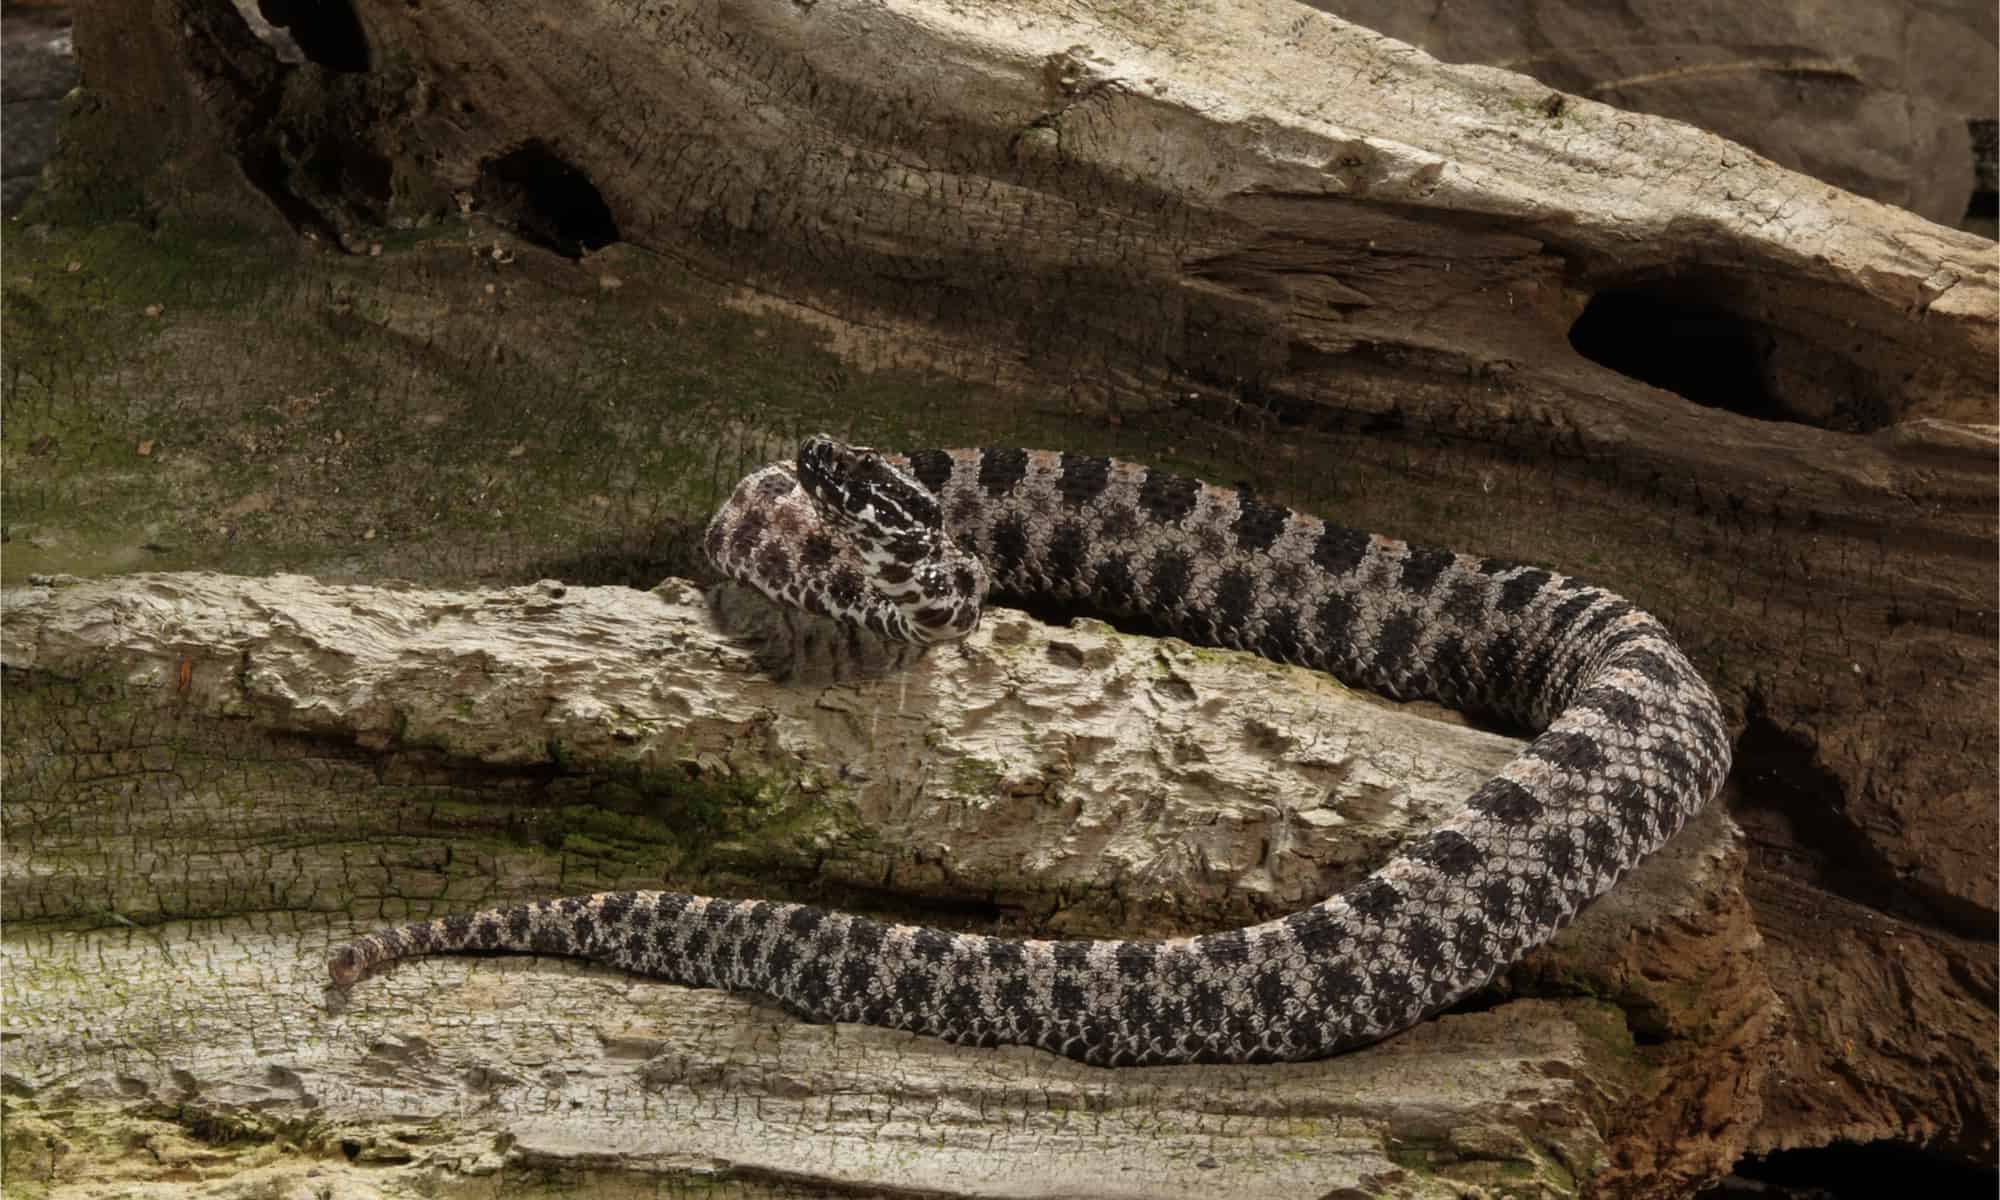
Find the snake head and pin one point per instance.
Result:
(915, 583)
(859, 489)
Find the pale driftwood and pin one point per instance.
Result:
(1183, 781)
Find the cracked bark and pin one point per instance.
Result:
(1278, 250)
(305, 761)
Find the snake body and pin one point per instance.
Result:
(1631, 743)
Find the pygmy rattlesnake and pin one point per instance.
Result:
(1631, 743)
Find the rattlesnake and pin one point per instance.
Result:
(1632, 743)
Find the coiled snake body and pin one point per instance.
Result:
(1631, 743)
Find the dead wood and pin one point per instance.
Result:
(1445, 303)
(185, 743)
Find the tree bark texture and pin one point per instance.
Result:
(298, 762)
(1445, 303)
(1879, 99)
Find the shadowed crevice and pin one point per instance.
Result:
(1691, 337)
(1845, 1170)
(551, 202)
(327, 32)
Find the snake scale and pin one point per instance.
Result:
(1631, 744)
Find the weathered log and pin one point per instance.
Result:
(191, 744)
(1440, 302)
(1873, 98)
